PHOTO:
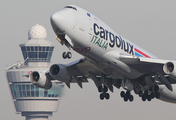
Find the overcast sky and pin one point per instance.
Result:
(150, 24)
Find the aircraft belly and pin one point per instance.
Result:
(112, 70)
(104, 68)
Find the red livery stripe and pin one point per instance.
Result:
(141, 53)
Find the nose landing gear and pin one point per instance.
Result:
(65, 40)
(66, 55)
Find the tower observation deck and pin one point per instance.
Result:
(29, 100)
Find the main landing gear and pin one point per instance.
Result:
(66, 55)
(127, 96)
(146, 95)
(103, 90)
(150, 94)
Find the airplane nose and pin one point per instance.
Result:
(56, 22)
(55, 17)
(61, 21)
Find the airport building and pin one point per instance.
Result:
(30, 101)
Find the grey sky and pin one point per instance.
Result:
(150, 24)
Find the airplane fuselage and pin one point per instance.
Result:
(95, 40)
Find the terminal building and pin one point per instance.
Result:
(32, 102)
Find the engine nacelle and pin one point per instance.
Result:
(40, 80)
(60, 72)
(169, 68)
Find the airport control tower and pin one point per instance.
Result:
(33, 102)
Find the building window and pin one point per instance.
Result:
(32, 48)
(23, 49)
(50, 55)
(37, 93)
(32, 54)
(29, 90)
(37, 53)
(51, 48)
(43, 49)
(36, 48)
(47, 48)
(43, 54)
(28, 48)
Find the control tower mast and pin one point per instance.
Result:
(29, 100)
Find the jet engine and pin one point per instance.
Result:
(60, 72)
(40, 80)
(169, 68)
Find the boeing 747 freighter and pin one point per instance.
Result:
(109, 60)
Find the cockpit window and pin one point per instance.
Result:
(70, 7)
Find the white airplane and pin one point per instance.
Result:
(109, 60)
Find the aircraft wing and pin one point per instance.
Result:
(144, 65)
(128, 58)
(79, 71)
(151, 65)
(82, 67)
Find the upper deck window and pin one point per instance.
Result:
(70, 7)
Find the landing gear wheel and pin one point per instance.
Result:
(125, 98)
(152, 95)
(140, 93)
(145, 94)
(128, 93)
(157, 95)
(100, 89)
(131, 98)
(143, 98)
(101, 96)
(149, 98)
(69, 55)
(107, 96)
(122, 94)
(64, 55)
(105, 89)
